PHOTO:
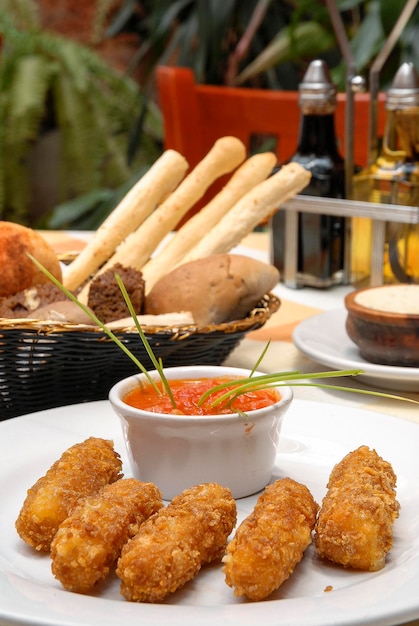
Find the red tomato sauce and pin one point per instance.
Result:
(188, 392)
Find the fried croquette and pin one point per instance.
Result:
(355, 523)
(81, 471)
(219, 512)
(172, 545)
(270, 542)
(89, 541)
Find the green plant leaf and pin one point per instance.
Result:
(307, 39)
(48, 80)
(369, 37)
(69, 212)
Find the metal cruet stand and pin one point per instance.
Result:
(379, 213)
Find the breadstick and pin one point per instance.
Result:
(82, 470)
(172, 545)
(355, 523)
(226, 154)
(89, 541)
(253, 171)
(271, 541)
(255, 206)
(159, 181)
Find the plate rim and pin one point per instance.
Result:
(373, 370)
(248, 613)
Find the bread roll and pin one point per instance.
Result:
(215, 289)
(18, 272)
(64, 311)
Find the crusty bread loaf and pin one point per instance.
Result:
(215, 289)
(18, 272)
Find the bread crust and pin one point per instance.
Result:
(216, 289)
(18, 271)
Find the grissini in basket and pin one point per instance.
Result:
(159, 181)
(226, 154)
(254, 207)
(253, 171)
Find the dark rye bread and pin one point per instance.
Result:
(215, 289)
(105, 297)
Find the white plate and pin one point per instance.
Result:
(324, 339)
(315, 437)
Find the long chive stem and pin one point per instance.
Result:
(239, 386)
(234, 387)
(237, 382)
(158, 365)
(97, 321)
(260, 359)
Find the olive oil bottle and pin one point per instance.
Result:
(392, 179)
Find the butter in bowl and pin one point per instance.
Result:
(383, 322)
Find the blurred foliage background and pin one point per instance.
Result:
(79, 74)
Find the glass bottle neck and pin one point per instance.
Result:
(317, 135)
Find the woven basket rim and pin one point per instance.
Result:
(268, 305)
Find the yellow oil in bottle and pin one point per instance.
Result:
(392, 179)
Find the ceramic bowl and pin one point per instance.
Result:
(383, 322)
(177, 451)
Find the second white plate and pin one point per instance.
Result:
(324, 339)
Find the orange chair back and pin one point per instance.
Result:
(195, 115)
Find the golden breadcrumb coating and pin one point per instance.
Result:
(89, 541)
(170, 547)
(217, 509)
(81, 471)
(270, 542)
(355, 523)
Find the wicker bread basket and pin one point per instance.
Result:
(45, 365)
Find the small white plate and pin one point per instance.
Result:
(315, 436)
(324, 339)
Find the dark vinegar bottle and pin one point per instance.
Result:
(321, 238)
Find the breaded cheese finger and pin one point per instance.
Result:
(89, 541)
(270, 542)
(81, 471)
(355, 523)
(216, 508)
(170, 547)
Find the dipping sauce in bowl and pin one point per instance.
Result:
(188, 393)
(176, 450)
(383, 322)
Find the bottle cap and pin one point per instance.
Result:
(404, 91)
(317, 92)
